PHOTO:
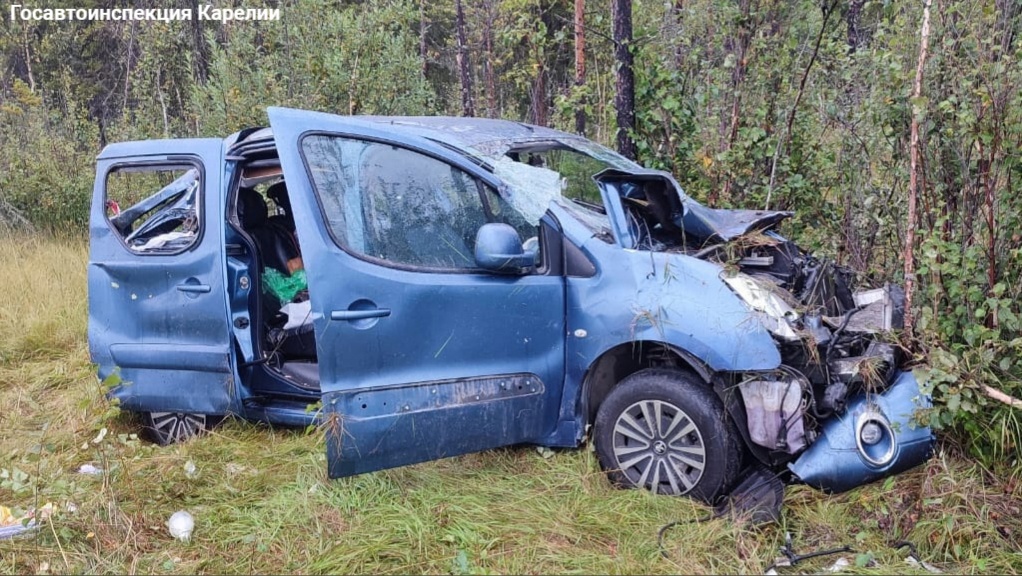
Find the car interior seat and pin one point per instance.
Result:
(275, 243)
(278, 193)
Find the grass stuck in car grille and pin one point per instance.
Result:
(261, 501)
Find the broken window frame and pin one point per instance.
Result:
(184, 165)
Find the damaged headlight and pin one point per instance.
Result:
(773, 311)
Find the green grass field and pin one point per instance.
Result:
(262, 502)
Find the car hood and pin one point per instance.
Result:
(716, 223)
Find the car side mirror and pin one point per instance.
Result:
(499, 249)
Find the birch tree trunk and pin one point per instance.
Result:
(914, 168)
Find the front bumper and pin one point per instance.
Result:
(839, 460)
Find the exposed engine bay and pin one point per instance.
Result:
(830, 336)
(835, 338)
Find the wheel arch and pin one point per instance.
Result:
(618, 362)
(701, 459)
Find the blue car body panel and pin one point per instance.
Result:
(835, 464)
(424, 378)
(663, 297)
(161, 319)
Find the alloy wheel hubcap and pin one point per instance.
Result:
(178, 426)
(658, 447)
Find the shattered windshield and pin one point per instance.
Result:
(564, 171)
(538, 173)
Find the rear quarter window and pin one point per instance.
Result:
(154, 209)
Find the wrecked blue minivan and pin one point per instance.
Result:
(450, 285)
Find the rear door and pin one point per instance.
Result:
(421, 355)
(157, 306)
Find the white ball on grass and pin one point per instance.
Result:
(181, 525)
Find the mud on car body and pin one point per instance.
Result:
(449, 285)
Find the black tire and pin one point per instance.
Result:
(701, 459)
(166, 428)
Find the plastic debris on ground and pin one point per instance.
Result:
(757, 501)
(913, 562)
(913, 558)
(12, 525)
(285, 288)
(100, 435)
(865, 560)
(181, 525)
(791, 558)
(8, 532)
(545, 452)
(90, 470)
(190, 470)
(839, 564)
(758, 498)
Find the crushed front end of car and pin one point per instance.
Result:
(804, 360)
(839, 411)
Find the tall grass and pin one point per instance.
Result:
(43, 306)
(263, 504)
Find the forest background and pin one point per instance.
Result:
(803, 105)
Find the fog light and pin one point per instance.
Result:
(874, 437)
(871, 433)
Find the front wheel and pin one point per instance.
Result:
(166, 428)
(663, 431)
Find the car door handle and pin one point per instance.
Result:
(194, 288)
(359, 314)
